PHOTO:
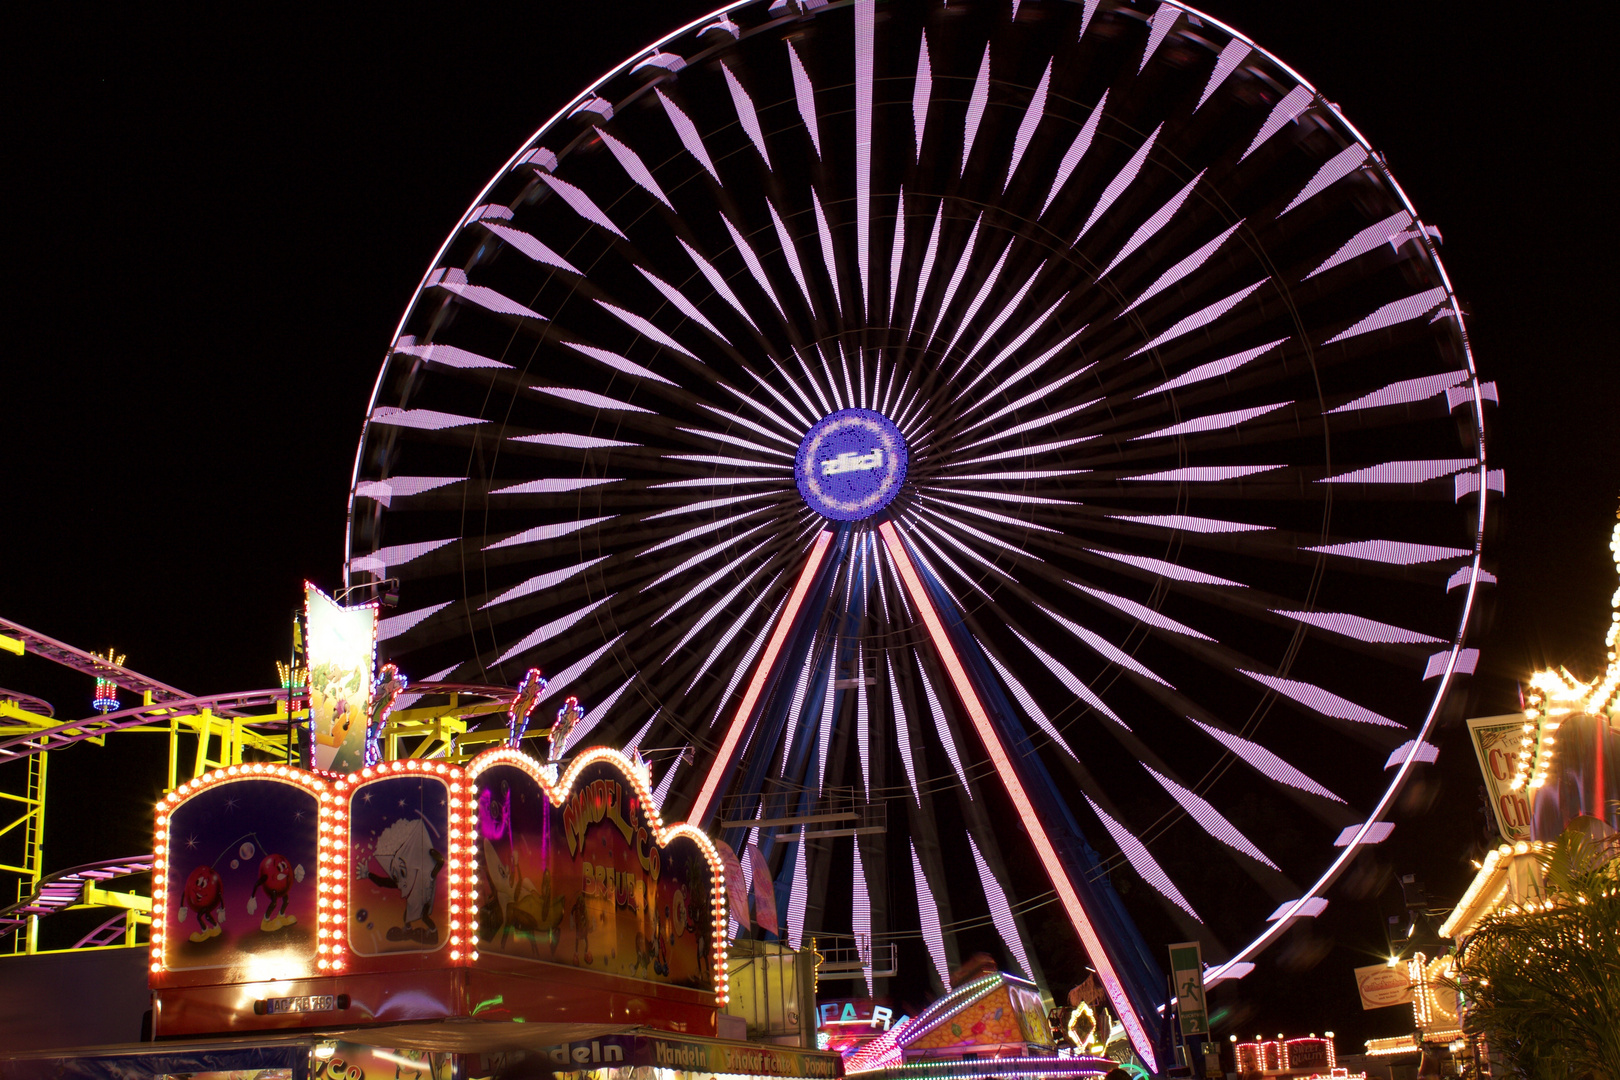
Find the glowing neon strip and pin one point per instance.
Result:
(1026, 129)
(865, 28)
(756, 686)
(1015, 789)
(977, 100)
(806, 95)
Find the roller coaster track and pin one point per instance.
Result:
(66, 888)
(232, 705)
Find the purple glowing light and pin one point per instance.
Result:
(541, 533)
(1318, 700)
(1183, 268)
(1209, 819)
(1265, 762)
(1213, 422)
(805, 94)
(1405, 392)
(1000, 911)
(1117, 186)
(1375, 235)
(581, 203)
(448, 355)
(453, 280)
(1231, 57)
(1167, 569)
(1401, 472)
(1362, 629)
(1392, 552)
(977, 100)
(1076, 151)
(541, 582)
(1026, 127)
(1187, 523)
(1202, 318)
(1224, 366)
(746, 116)
(398, 487)
(1142, 860)
(1142, 612)
(1159, 24)
(396, 625)
(1396, 311)
(688, 133)
(545, 633)
(530, 247)
(1158, 220)
(617, 362)
(632, 164)
(421, 419)
(588, 399)
(1336, 168)
(1284, 112)
(1205, 474)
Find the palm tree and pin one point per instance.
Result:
(1542, 981)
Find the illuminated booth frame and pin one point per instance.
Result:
(409, 882)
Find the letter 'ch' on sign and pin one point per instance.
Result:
(764, 892)
(736, 887)
(1187, 972)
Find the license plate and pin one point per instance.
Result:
(308, 1003)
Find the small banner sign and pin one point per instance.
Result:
(1187, 973)
(1496, 742)
(1381, 986)
(736, 886)
(764, 892)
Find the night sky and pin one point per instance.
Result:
(216, 223)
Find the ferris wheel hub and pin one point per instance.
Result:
(851, 464)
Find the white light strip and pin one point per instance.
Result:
(865, 20)
(899, 251)
(1182, 269)
(641, 325)
(828, 700)
(1235, 52)
(1027, 451)
(928, 909)
(1316, 699)
(1026, 128)
(743, 421)
(685, 306)
(688, 133)
(957, 275)
(1000, 911)
(745, 113)
(581, 203)
(1265, 762)
(589, 399)
(922, 90)
(1159, 24)
(1224, 366)
(1292, 104)
(791, 254)
(1076, 151)
(1167, 569)
(550, 532)
(929, 254)
(805, 94)
(1150, 228)
(1071, 681)
(1105, 648)
(541, 581)
(1117, 186)
(942, 727)
(694, 560)
(718, 283)
(1142, 861)
(1202, 318)
(1017, 344)
(1142, 612)
(901, 731)
(979, 298)
(827, 255)
(755, 268)
(545, 633)
(978, 98)
(1209, 819)
(731, 632)
(530, 247)
(634, 166)
(796, 704)
(1027, 703)
(1336, 168)
(618, 363)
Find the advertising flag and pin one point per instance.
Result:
(736, 887)
(341, 645)
(764, 892)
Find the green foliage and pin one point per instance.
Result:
(1543, 985)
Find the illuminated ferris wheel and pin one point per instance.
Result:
(1048, 421)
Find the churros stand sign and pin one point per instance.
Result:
(1497, 741)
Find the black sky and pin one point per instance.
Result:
(216, 221)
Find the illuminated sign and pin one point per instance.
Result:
(342, 645)
(1497, 741)
(1187, 975)
(851, 464)
(1381, 986)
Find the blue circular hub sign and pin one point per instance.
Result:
(851, 464)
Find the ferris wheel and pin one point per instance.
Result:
(1048, 420)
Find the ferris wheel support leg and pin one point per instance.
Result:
(1137, 1026)
(721, 765)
